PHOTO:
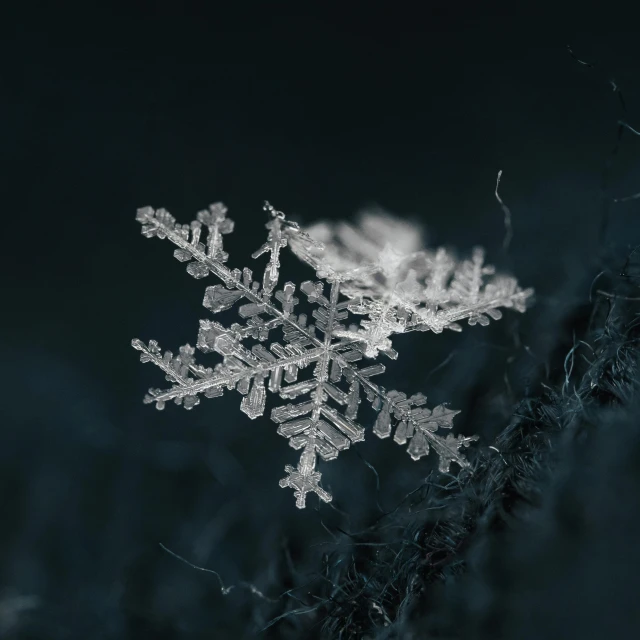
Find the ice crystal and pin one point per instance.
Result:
(395, 288)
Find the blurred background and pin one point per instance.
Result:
(103, 111)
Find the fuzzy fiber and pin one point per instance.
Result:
(539, 539)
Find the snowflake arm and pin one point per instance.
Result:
(418, 291)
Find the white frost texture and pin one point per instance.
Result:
(322, 366)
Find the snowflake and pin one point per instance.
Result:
(395, 288)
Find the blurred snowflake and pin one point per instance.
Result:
(395, 287)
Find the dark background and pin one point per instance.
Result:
(105, 110)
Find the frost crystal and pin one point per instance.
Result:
(395, 289)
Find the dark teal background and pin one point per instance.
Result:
(105, 110)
